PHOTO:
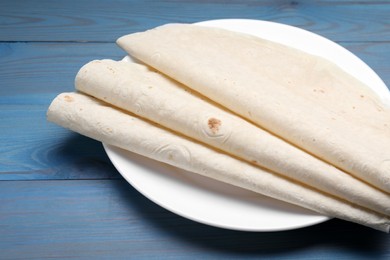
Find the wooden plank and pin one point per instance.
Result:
(81, 20)
(36, 149)
(33, 74)
(97, 214)
(109, 219)
(39, 69)
(33, 148)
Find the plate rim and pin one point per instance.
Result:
(110, 150)
(111, 153)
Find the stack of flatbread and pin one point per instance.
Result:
(243, 110)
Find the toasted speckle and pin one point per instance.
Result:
(214, 125)
(111, 69)
(68, 98)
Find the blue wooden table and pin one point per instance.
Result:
(60, 196)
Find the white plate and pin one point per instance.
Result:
(217, 204)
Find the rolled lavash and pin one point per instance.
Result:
(138, 89)
(238, 72)
(98, 120)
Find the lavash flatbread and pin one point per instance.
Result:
(102, 122)
(150, 95)
(224, 66)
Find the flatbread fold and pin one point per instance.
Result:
(297, 96)
(98, 120)
(151, 95)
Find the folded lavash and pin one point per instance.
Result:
(319, 108)
(138, 89)
(90, 117)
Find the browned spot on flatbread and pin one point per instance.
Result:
(68, 98)
(214, 125)
(111, 69)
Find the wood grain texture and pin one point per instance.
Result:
(108, 218)
(32, 75)
(60, 197)
(41, 68)
(81, 20)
